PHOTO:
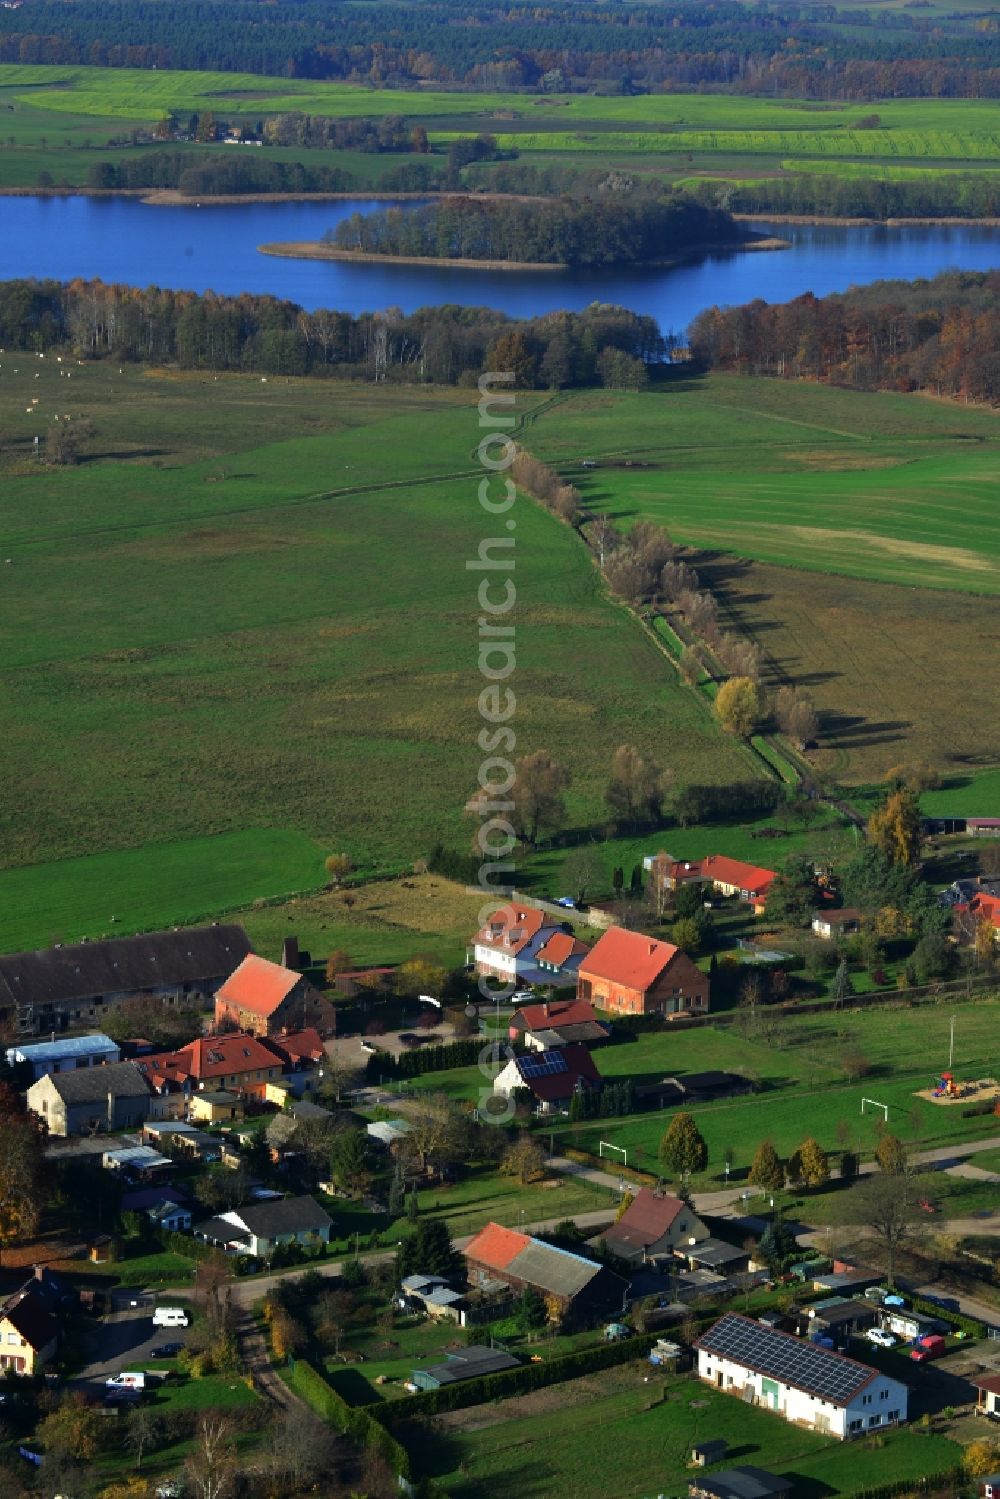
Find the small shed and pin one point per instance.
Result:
(703, 1454)
(215, 1108)
(907, 1324)
(101, 1249)
(989, 1486)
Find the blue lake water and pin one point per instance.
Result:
(215, 247)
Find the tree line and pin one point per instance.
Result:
(953, 194)
(565, 231)
(939, 335)
(812, 52)
(443, 345)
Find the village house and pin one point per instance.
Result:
(743, 1482)
(726, 876)
(832, 925)
(260, 1228)
(264, 998)
(233, 1062)
(90, 1100)
(558, 1022)
(653, 1226)
(63, 1055)
(808, 1385)
(551, 1076)
(630, 974)
(574, 1288)
(520, 944)
(988, 1399)
(59, 987)
(29, 1325)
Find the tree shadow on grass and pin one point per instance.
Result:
(848, 731)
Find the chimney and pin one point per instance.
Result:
(652, 948)
(39, 1272)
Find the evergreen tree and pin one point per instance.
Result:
(683, 1149)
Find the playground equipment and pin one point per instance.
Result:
(948, 1088)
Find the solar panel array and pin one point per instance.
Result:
(778, 1355)
(542, 1064)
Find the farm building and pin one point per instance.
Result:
(59, 987)
(692, 1087)
(653, 1225)
(630, 974)
(464, 1363)
(264, 998)
(806, 1384)
(91, 1099)
(64, 1055)
(744, 1482)
(574, 1288)
(551, 1077)
(558, 1022)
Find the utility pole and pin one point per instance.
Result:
(951, 1046)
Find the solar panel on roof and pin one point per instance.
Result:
(782, 1357)
(542, 1064)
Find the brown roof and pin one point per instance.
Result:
(209, 1057)
(839, 915)
(557, 1012)
(121, 964)
(28, 1314)
(259, 986)
(296, 1046)
(627, 958)
(646, 1219)
(988, 1382)
(510, 928)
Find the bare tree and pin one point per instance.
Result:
(888, 1207)
(538, 794)
(211, 1466)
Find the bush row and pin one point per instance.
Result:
(947, 1480)
(971, 1326)
(431, 1059)
(354, 1422)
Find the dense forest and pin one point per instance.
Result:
(801, 51)
(941, 336)
(563, 231)
(445, 345)
(947, 195)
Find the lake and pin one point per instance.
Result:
(215, 247)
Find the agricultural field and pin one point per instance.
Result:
(248, 642)
(162, 884)
(56, 120)
(534, 1444)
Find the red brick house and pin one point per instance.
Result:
(264, 998)
(630, 974)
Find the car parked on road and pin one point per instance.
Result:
(166, 1350)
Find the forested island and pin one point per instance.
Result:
(599, 231)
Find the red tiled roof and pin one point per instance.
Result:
(259, 986)
(496, 1246)
(296, 1046)
(648, 1217)
(559, 948)
(627, 958)
(510, 928)
(735, 872)
(207, 1057)
(985, 907)
(556, 1012)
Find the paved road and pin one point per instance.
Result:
(124, 1340)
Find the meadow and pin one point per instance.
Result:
(57, 118)
(249, 641)
(533, 1445)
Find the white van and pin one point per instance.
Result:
(170, 1316)
(132, 1380)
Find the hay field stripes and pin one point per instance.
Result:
(140, 94)
(907, 145)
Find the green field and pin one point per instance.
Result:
(280, 631)
(804, 1088)
(163, 884)
(538, 1445)
(58, 118)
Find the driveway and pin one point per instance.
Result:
(124, 1340)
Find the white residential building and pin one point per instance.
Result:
(807, 1384)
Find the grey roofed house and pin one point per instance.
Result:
(713, 1254)
(466, 1363)
(92, 1084)
(260, 1227)
(56, 984)
(744, 1482)
(555, 1270)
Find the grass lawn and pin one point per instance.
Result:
(250, 642)
(163, 1268)
(532, 1445)
(164, 884)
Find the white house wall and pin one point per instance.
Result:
(881, 1403)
